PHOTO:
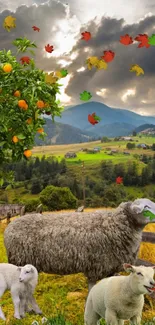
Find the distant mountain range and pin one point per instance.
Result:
(77, 116)
(144, 127)
(58, 133)
(73, 126)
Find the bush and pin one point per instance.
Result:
(58, 198)
(31, 205)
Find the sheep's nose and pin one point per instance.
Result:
(152, 283)
(20, 280)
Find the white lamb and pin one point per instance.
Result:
(120, 298)
(21, 281)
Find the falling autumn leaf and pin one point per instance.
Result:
(64, 72)
(143, 39)
(9, 22)
(58, 74)
(97, 118)
(92, 61)
(49, 48)
(136, 68)
(119, 180)
(152, 40)
(85, 95)
(101, 64)
(126, 39)
(86, 36)
(50, 78)
(25, 59)
(108, 56)
(91, 119)
(35, 28)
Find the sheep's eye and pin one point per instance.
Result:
(27, 272)
(139, 273)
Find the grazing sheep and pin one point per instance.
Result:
(96, 244)
(21, 281)
(120, 298)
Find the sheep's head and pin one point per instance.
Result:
(26, 273)
(142, 211)
(142, 278)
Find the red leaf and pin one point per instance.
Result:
(86, 36)
(35, 28)
(119, 180)
(126, 39)
(108, 56)
(25, 59)
(91, 119)
(49, 48)
(143, 39)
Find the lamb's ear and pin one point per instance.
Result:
(32, 269)
(128, 267)
(19, 268)
(154, 268)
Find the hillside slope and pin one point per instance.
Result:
(77, 116)
(58, 133)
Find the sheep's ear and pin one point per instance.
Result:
(154, 268)
(32, 269)
(19, 268)
(128, 267)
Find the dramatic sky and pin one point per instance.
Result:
(61, 23)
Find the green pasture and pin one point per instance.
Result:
(59, 151)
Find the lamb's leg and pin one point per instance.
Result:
(111, 318)
(120, 322)
(90, 285)
(16, 302)
(35, 306)
(2, 290)
(136, 320)
(90, 316)
(22, 307)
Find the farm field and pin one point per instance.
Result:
(65, 294)
(94, 158)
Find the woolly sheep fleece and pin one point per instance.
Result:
(96, 244)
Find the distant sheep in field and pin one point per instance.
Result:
(120, 298)
(96, 244)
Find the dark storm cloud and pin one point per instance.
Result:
(117, 78)
(45, 17)
(105, 36)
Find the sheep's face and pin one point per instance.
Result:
(26, 273)
(138, 207)
(142, 278)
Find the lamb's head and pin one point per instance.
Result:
(141, 211)
(142, 278)
(27, 273)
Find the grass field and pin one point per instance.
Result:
(65, 294)
(60, 150)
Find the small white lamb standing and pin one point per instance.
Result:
(120, 298)
(21, 281)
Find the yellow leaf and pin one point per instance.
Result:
(9, 22)
(101, 65)
(136, 68)
(49, 78)
(93, 60)
(58, 74)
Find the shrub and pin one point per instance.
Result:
(30, 205)
(58, 198)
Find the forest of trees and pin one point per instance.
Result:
(101, 190)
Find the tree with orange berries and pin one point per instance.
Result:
(25, 95)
